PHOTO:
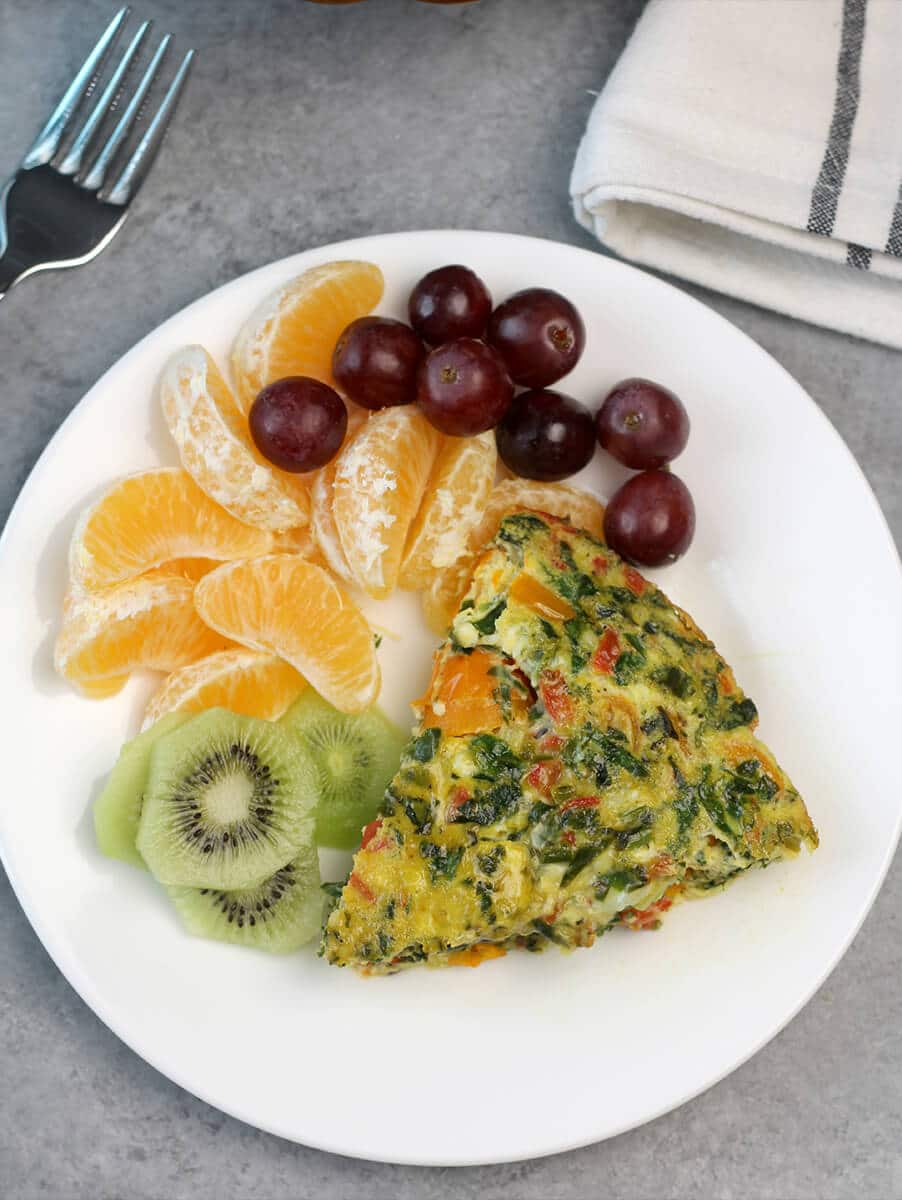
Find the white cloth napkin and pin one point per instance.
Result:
(755, 147)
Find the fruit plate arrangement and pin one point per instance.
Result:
(576, 1047)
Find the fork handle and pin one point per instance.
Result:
(10, 271)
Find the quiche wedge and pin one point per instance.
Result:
(583, 757)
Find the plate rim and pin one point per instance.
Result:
(81, 982)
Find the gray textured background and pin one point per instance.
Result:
(304, 125)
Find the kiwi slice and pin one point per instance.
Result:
(354, 757)
(117, 809)
(279, 915)
(229, 800)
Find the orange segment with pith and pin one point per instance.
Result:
(217, 450)
(281, 604)
(454, 501)
(149, 519)
(298, 541)
(581, 509)
(380, 477)
(294, 330)
(441, 599)
(149, 622)
(102, 689)
(250, 682)
(322, 518)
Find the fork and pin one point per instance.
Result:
(70, 195)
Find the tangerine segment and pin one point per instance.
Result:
(150, 518)
(216, 448)
(456, 495)
(245, 681)
(189, 568)
(146, 622)
(322, 518)
(442, 597)
(294, 330)
(100, 689)
(380, 478)
(559, 499)
(283, 605)
(296, 541)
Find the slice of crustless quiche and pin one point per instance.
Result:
(583, 757)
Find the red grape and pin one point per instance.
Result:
(539, 334)
(650, 519)
(642, 424)
(298, 423)
(463, 387)
(448, 303)
(376, 362)
(546, 435)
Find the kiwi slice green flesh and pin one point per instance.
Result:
(279, 915)
(354, 757)
(229, 800)
(117, 809)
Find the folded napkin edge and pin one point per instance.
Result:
(832, 249)
(628, 151)
(818, 291)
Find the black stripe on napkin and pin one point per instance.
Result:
(894, 241)
(858, 256)
(825, 196)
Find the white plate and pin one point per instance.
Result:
(793, 573)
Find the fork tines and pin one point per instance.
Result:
(102, 137)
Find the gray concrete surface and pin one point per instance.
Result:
(305, 125)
